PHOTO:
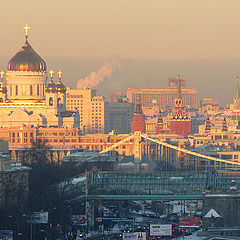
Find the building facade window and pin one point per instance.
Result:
(50, 101)
(38, 90)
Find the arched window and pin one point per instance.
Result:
(16, 89)
(38, 90)
(50, 101)
(31, 90)
(59, 102)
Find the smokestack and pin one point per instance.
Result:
(109, 67)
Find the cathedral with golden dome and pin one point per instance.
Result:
(25, 96)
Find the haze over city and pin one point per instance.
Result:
(119, 120)
(154, 40)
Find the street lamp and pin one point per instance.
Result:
(67, 207)
(22, 235)
(14, 224)
(48, 235)
(31, 223)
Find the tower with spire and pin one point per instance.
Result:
(237, 96)
(179, 121)
(138, 122)
(159, 126)
(61, 91)
(208, 125)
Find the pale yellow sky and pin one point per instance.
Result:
(160, 29)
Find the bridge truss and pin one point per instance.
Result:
(175, 156)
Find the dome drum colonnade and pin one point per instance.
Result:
(27, 76)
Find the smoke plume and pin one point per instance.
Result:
(109, 67)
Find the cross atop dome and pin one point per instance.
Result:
(51, 73)
(59, 74)
(2, 74)
(26, 28)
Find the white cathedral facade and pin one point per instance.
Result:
(26, 98)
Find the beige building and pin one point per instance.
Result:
(163, 97)
(91, 109)
(96, 114)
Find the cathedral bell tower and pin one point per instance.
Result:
(61, 94)
(51, 94)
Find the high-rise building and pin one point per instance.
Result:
(96, 114)
(119, 116)
(173, 82)
(163, 97)
(91, 109)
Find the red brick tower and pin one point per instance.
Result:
(208, 126)
(159, 126)
(224, 125)
(138, 122)
(179, 121)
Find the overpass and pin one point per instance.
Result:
(146, 186)
(137, 197)
(152, 184)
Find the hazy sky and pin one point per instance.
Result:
(158, 29)
(154, 39)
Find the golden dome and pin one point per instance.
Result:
(51, 87)
(60, 87)
(26, 59)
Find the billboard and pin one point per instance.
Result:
(160, 229)
(114, 219)
(134, 236)
(189, 222)
(38, 218)
(79, 220)
(6, 234)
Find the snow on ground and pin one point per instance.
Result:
(191, 237)
(77, 180)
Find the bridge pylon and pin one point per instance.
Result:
(137, 150)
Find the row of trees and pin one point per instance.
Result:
(42, 195)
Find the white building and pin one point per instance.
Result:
(27, 99)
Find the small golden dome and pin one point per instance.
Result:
(51, 87)
(60, 87)
(26, 59)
